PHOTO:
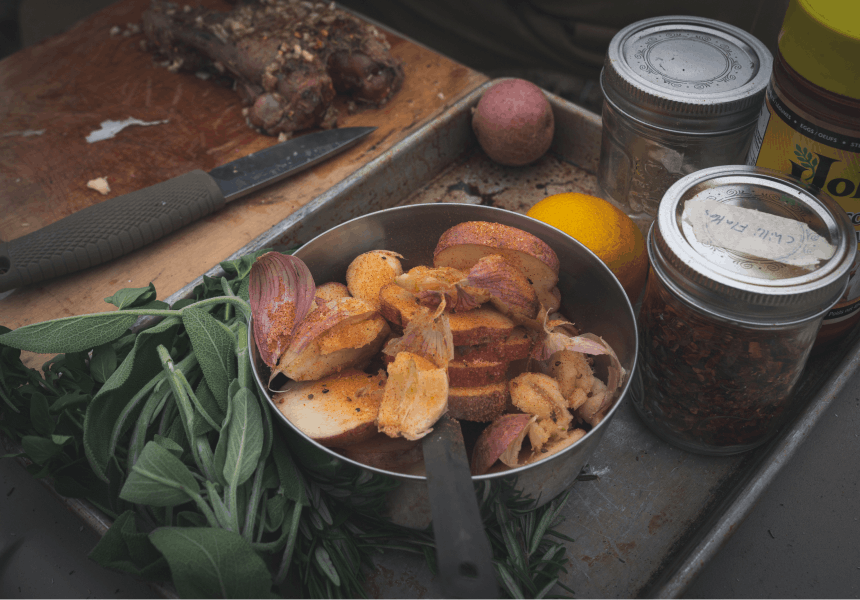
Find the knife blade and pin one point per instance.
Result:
(120, 225)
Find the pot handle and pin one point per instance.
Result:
(463, 551)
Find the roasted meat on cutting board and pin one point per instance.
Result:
(289, 58)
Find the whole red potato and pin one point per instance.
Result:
(513, 122)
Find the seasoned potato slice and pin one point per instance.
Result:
(368, 273)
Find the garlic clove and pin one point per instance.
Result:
(501, 440)
(427, 335)
(540, 395)
(281, 290)
(509, 290)
(416, 396)
(430, 285)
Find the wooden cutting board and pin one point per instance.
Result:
(54, 94)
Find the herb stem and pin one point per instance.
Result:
(291, 543)
(240, 305)
(207, 512)
(253, 502)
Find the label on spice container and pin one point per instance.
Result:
(755, 233)
(791, 141)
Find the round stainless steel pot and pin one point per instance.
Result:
(592, 298)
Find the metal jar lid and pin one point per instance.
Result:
(686, 74)
(752, 245)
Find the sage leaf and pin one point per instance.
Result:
(126, 386)
(212, 563)
(69, 334)
(220, 457)
(70, 487)
(244, 438)
(132, 297)
(159, 478)
(138, 436)
(275, 512)
(40, 449)
(103, 362)
(206, 403)
(40, 415)
(176, 432)
(124, 548)
(215, 347)
(256, 495)
(206, 457)
(292, 484)
(239, 268)
(245, 291)
(222, 513)
(67, 401)
(187, 518)
(169, 445)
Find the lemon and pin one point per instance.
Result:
(603, 229)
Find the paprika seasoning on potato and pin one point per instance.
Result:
(809, 125)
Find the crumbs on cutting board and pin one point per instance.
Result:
(100, 185)
(109, 128)
(25, 133)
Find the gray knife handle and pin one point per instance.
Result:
(107, 230)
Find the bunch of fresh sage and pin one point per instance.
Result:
(159, 424)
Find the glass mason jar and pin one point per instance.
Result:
(745, 263)
(810, 123)
(680, 94)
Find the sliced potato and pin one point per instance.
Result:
(466, 373)
(398, 305)
(337, 410)
(383, 452)
(515, 346)
(465, 244)
(482, 403)
(330, 291)
(368, 273)
(480, 326)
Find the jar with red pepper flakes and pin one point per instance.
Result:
(745, 263)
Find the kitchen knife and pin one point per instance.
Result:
(117, 226)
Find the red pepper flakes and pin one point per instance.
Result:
(712, 384)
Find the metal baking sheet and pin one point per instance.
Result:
(654, 515)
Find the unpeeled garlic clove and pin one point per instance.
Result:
(281, 290)
(431, 284)
(509, 290)
(501, 440)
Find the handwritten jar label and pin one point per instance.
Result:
(755, 233)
